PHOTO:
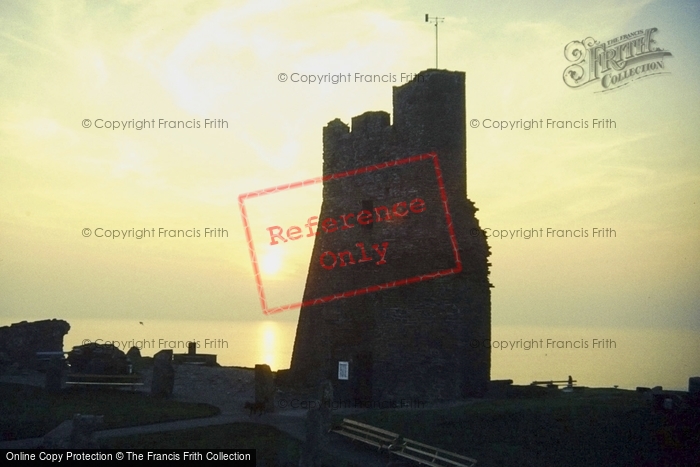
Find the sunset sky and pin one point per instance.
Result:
(64, 62)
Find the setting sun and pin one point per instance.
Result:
(271, 262)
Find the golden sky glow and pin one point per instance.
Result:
(64, 62)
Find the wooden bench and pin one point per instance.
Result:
(78, 379)
(381, 439)
(430, 455)
(396, 444)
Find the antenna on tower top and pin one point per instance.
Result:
(436, 20)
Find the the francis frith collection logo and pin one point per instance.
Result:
(614, 63)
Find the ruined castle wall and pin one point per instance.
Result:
(21, 341)
(416, 340)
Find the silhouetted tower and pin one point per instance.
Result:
(426, 340)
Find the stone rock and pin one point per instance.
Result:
(265, 387)
(21, 341)
(163, 380)
(77, 433)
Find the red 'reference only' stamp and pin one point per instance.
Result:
(377, 253)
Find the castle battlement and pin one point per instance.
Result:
(429, 116)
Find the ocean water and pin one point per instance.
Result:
(596, 357)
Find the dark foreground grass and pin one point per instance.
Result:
(28, 412)
(589, 427)
(603, 427)
(530, 428)
(272, 446)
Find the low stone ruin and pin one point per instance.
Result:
(20, 342)
(98, 359)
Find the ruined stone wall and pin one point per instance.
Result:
(21, 341)
(412, 341)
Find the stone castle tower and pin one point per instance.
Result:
(422, 339)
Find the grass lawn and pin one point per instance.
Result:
(589, 427)
(28, 412)
(272, 446)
